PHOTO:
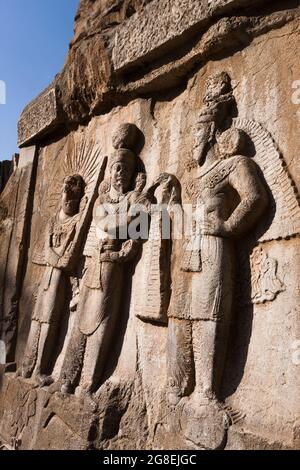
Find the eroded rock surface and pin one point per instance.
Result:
(120, 329)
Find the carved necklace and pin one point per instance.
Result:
(216, 174)
(118, 199)
(60, 229)
(209, 179)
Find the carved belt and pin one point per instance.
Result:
(93, 277)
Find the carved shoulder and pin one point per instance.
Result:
(245, 177)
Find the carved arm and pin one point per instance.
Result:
(253, 198)
(127, 253)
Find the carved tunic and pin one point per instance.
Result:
(58, 241)
(102, 279)
(203, 288)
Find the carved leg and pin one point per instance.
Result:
(73, 361)
(99, 312)
(204, 346)
(53, 307)
(42, 351)
(180, 359)
(95, 359)
(211, 310)
(31, 351)
(210, 340)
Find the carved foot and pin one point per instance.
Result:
(67, 388)
(233, 414)
(18, 372)
(55, 387)
(24, 372)
(205, 423)
(84, 392)
(174, 394)
(44, 380)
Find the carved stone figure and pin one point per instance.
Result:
(60, 256)
(109, 247)
(266, 284)
(229, 199)
(154, 287)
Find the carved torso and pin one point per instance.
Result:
(213, 192)
(110, 216)
(61, 234)
(108, 235)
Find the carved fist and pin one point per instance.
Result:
(52, 258)
(170, 188)
(66, 262)
(112, 257)
(214, 226)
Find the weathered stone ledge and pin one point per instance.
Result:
(227, 35)
(152, 51)
(165, 24)
(40, 116)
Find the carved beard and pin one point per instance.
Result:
(120, 185)
(203, 153)
(202, 150)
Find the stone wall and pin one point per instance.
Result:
(169, 373)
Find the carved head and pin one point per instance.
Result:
(231, 142)
(122, 168)
(125, 137)
(73, 190)
(217, 85)
(122, 162)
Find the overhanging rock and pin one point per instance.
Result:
(163, 25)
(40, 116)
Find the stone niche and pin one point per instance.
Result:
(180, 343)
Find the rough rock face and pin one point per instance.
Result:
(158, 337)
(118, 54)
(6, 169)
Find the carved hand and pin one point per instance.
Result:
(214, 226)
(52, 258)
(144, 199)
(126, 253)
(110, 257)
(66, 262)
(171, 191)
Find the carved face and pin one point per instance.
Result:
(121, 175)
(73, 189)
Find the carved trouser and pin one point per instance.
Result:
(93, 333)
(197, 343)
(72, 365)
(49, 307)
(196, 355)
